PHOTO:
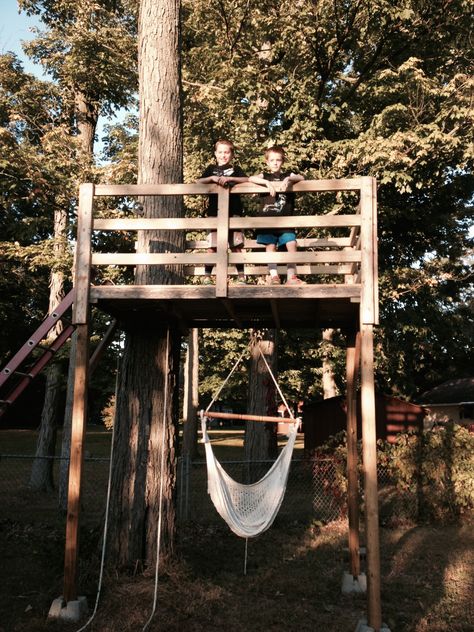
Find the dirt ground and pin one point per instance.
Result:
(293, 581)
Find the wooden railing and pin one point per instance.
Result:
(351, 259)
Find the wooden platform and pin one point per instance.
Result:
(311, 306)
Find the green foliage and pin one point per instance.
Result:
(435, 469)
(348, 88)
(357, 89)
(425, 477)
(88, 47)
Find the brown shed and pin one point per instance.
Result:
(326, 418)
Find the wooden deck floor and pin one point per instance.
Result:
(315, 306)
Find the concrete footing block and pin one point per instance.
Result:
(71, 611)
(351, 584)
(363, 626)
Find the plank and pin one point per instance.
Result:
(83, 254)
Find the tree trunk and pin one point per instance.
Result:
(329, 382)
(191, 396)
(66, 439)
(42, 469)
(261, 438)
(146, 411)
(86, 121)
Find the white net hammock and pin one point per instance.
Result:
(248, 509)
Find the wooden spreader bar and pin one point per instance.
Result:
(262, 418)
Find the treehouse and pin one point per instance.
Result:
(339, 265)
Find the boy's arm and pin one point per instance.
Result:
(208, 180)
(222, 180)
(234, 179)
(266, 183)
(293, 178)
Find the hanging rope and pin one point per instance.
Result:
(160, 508)
(106, 520)
(226, 380)
(276, 384)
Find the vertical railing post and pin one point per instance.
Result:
(368, 244)
(81, 370)
(222, 263)
(352, 371)
(369, 317)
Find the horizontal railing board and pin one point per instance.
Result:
(301, 269)
(343, 184)
(337, 242)
(325, 256)
(201, 223)
(170, 258)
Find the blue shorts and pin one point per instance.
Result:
(278, 239)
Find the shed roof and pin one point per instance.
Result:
(450, 392)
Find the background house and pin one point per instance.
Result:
(453, 400)
(325, 418)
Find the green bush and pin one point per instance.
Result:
(422, 477)
(433, 471)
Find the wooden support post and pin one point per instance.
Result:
(222, 241)
(369, 450)
(81, 373)
(368, 265)
(79, 413)
(352, 371)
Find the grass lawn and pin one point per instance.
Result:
(293, 579)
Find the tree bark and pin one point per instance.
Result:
(41, 477)
(147, 406)
(86, 121)
(329, 382)
(191, 396)
(261, 439)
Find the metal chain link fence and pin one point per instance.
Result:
(315, 489)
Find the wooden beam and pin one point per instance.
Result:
(368, 255)
(301, 268)
(231, 311)
(328, 242)
(352, 371)
(296, 221)
(157, 223)
(102, 346)
(326, 256)
(79, 414)
(168, 258)
(154, 189)
(199, 292)
(260, 418)
(222, 262)
(342, 184)
(150, 258)
(82, 278)
(201, 223)
(369, 452)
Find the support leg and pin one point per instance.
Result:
(79, 413)
(353, 581)
(369, 449)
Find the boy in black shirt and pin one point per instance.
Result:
(274, 204)
(225, 174)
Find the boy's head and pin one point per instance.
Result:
(275, 157)
(223, 151)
